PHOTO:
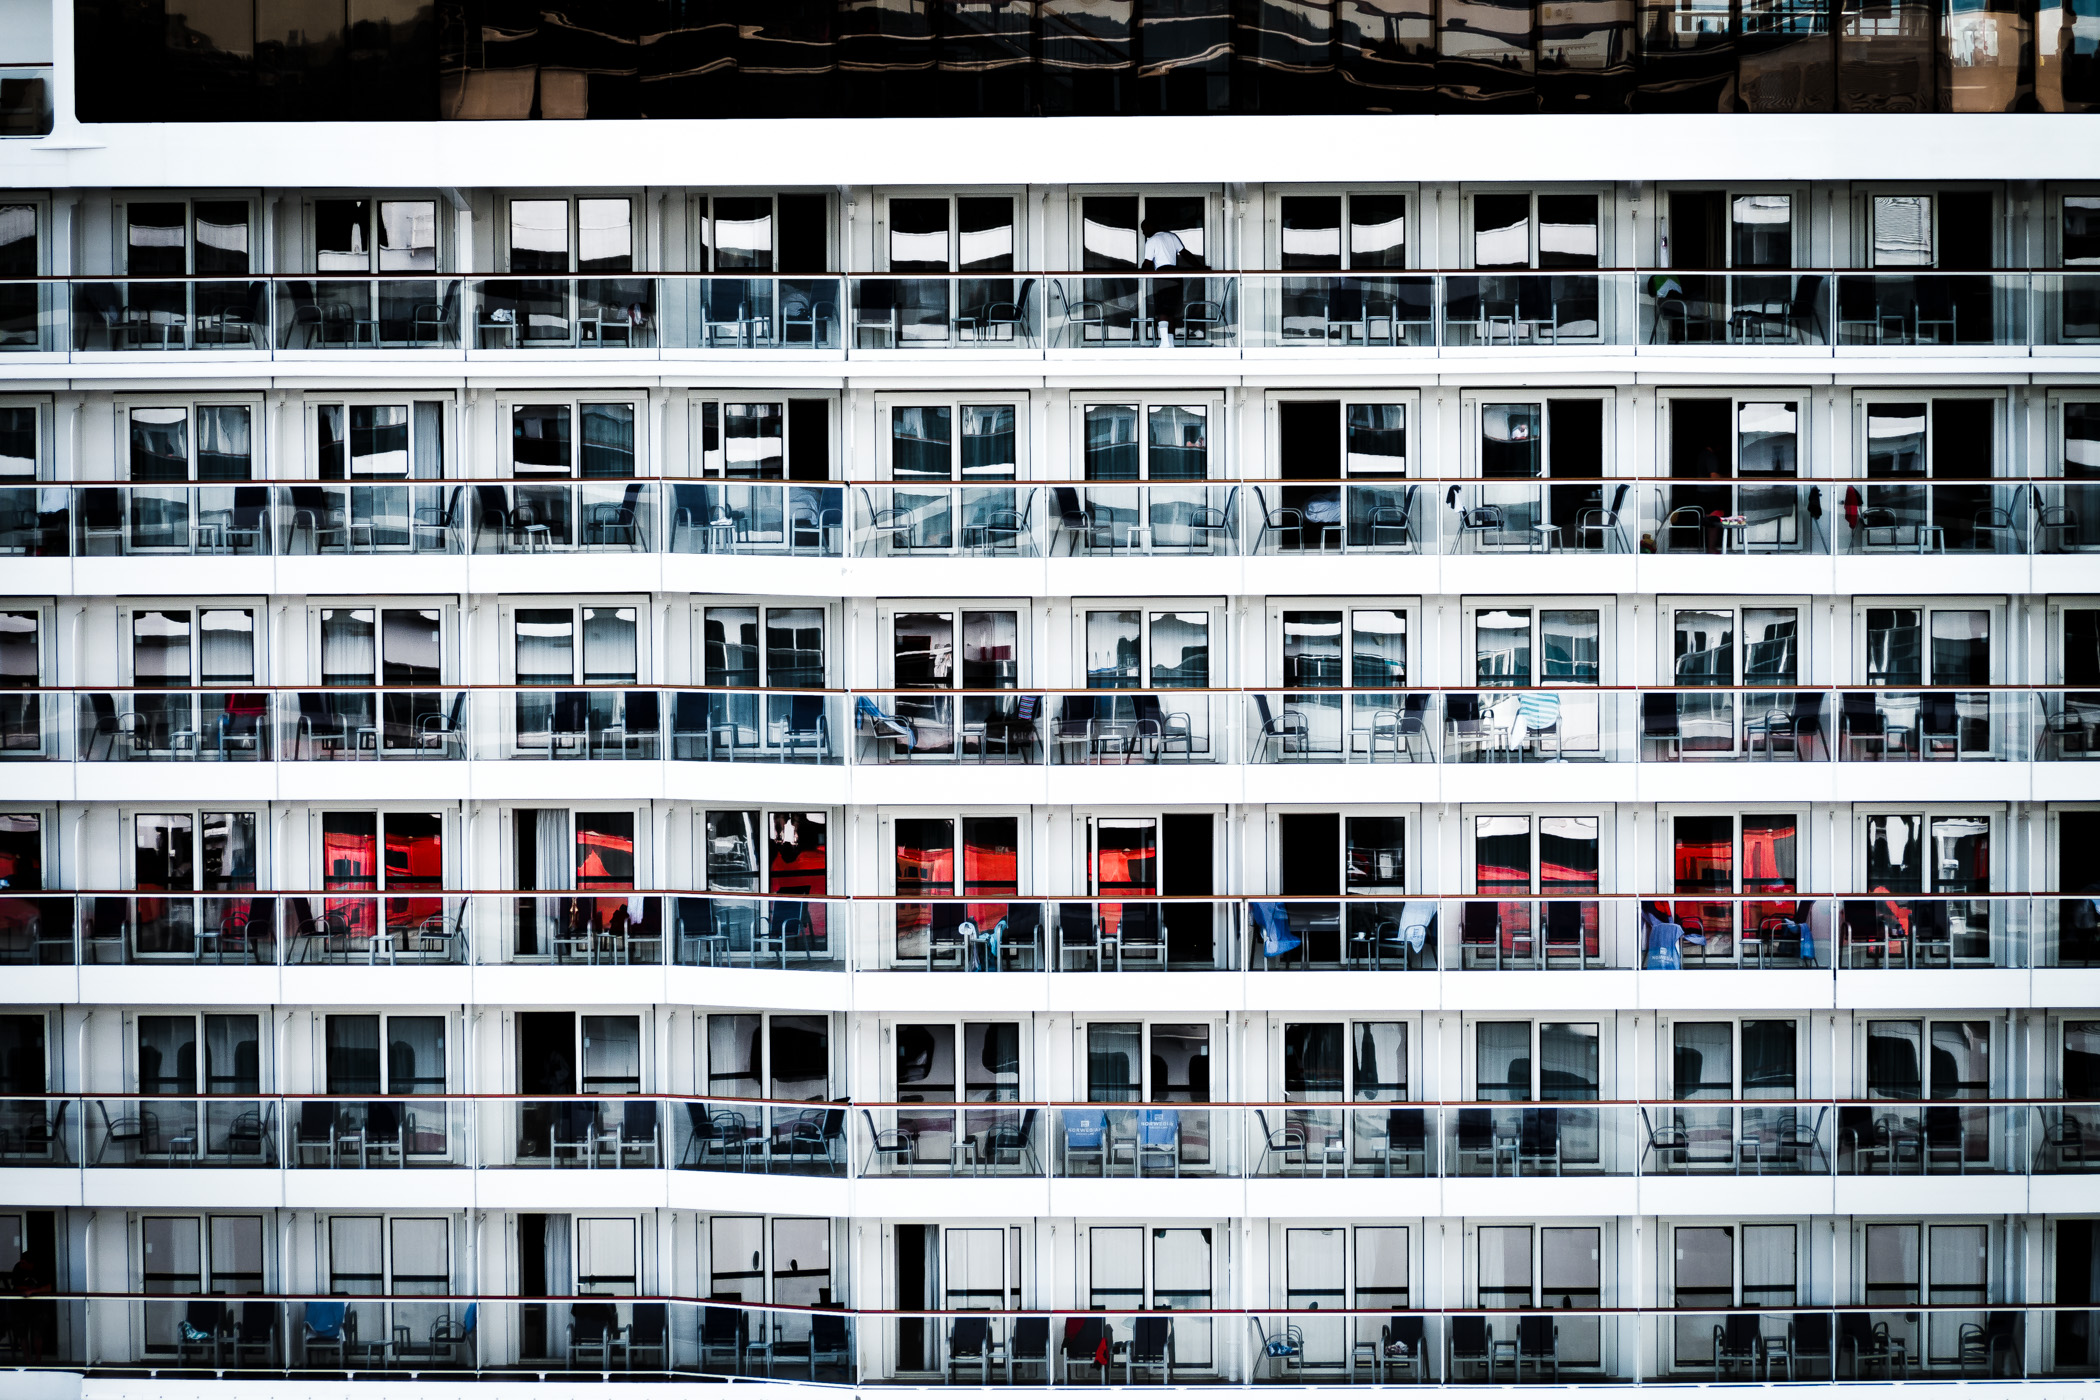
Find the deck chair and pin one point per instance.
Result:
(649, 1336)
(970, 1344)
(1028, 1345)
(1471, 1340)
(1085, 1138)
(1538, 1343)
(1400, 1348)
(1739, 1343)
(1151, 1348)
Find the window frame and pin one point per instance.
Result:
(1214, 199)
(1606, 1042)
(1603, 605)
(1738, 605)
(644, 845)
(1025, 856)
(45, 611)
(1926, 605)
(207, 1276)
(375, 199)
(1863, 213)
(318, 402)
(960, 1091)
(455, 1053)
(257, 609)
(1606, 197)
(762, 859)
(1149, 610)
(835, 1070)
(449, 640)
(43, 425)
(1193, 1348)
(120, 230)
(200, 1018)
(127, 835)
(766, 605)
(887, 610)
(1144, 403)
(698, 407)
(704, 253)
(1409, 401)
(1353, 1092)
(1799, 223)
(768, 1273)
(1474, 402)
(2002, 414)
(955, 402)
(1413, 222)
(510, 402)
(1739, 1089)
(638, 222)
(882, 236)
(1802, 400)
(260, 437)
(49, 868)
(450, 856)
(575, 603)
(1607, 1275)
(1408, 813)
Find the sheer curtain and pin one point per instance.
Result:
(347, 650)
(429, 441)
(609, 646)
(557, 1254)
(1112, 1063)
(224, 450)
(1769, 1266)
(415, 1054)
(545, 646)
(226, 655)
(355, 1265)
(160, 647)
(555, 860)
(612, 1055)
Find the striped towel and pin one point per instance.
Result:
(1539, 710)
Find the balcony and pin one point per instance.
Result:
(428, 1334)
(1740, 521)
(1224, 314)
(1045, 1141)
(992, 933)
(439, 1336)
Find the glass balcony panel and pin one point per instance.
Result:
(757, 517)
(1921, 726)
(197, 315)
(1907, 309)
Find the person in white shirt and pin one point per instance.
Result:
(1164, 248)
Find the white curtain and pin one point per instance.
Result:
(347, 653)
(226, 655)
(429, 445)
(609, 646)
(545, 646)
(552, 853)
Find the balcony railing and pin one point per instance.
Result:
(659, 315)
(1032, 727)
(432, 1333)
(1564, 1338)
(1806, 518)
(1556, 929)
(1381, 1136)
